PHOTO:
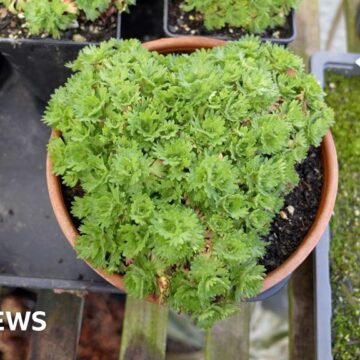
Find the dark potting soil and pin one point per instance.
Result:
(298, 214)
(14, 26)
(144, 21)
(293, 222)
(183, 22)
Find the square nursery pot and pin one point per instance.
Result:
(41, 62)
(5, 71)
(346, 64)
(27, 225)
(172, 30)
(277, 278)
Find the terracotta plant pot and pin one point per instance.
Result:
(330, 182)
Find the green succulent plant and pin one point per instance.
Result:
(184, 161)
(252, 15)
(54, 16)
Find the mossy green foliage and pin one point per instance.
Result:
(184, 160)
(252, 15)
(344, 97)
(54, 16)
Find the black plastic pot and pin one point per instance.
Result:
(144, 21)
(5, 71)
(284, 41)
(41, 63)
(270, 292)
(343, 64)
(27, 224)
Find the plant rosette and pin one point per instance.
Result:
(228, 19)
(182, 161)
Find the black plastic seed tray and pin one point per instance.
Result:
(33, 250)
(348, 64)
(41, 62)
(281, 40)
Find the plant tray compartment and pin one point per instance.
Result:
(290, 21)
(33, 250)
(343, 64)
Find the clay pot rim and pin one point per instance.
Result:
(323, 215)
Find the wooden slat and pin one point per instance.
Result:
(63, 316)
(352, 9)
(230, 338)
(301, 313)
(144, 331)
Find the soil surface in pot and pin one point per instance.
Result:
(293, 222)
(182, 22)
(298, 214)
(13, 26)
